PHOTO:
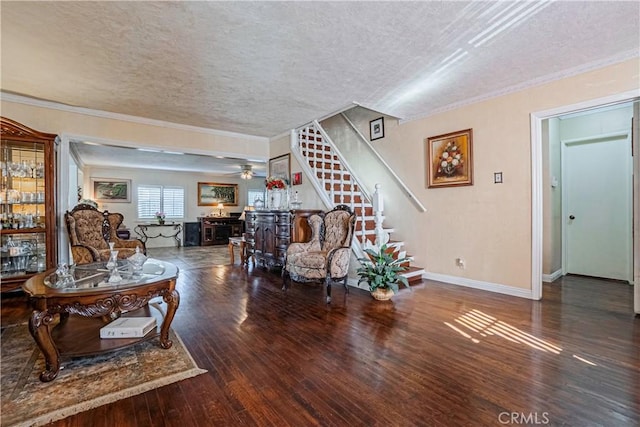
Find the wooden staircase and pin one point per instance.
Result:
(327, 167)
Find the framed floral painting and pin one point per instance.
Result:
(450, 159)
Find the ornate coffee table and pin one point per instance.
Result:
(67, 317)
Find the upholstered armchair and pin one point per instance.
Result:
(326, 256)
(91, 231)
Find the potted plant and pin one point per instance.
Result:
(382, 271)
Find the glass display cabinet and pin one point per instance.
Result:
(27, 203)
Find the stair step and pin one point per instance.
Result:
(413, 274)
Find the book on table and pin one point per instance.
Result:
(128, 327)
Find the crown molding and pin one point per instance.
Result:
(570, 72)
(20, 99)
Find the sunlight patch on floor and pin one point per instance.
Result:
(484, 325)
(584, 360)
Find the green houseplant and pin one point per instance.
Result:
(382, 271)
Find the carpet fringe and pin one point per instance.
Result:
(117, 395)
(103, 400)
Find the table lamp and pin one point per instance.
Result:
(220, 207)
(246, 208)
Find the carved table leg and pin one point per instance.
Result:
(40, 329)
(173, 301)
(243, 253)
(176, 236)
(231, 257)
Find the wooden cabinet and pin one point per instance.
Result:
(27, 203)
(269, 233)
(268, 236)
(216, 231)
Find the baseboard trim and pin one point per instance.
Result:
(477, 284)
(548, 278)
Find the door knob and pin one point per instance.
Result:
(572, 217)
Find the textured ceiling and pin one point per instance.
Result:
(262, 68)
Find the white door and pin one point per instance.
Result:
(598, 181)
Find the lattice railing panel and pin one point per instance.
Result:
(336, 180)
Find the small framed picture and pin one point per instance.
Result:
(376, 128)
(296, 178)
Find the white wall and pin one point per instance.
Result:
(79, 124)
(187, 180)
(552, 200)
(487, 224)
(306, 192)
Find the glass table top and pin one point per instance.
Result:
(97, 275)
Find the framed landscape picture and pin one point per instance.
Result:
(211, 194)
(111, 190)
(450, 159)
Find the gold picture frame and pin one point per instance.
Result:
(450, 159)
(213, 193)
(111, 190)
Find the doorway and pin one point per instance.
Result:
(543, 178)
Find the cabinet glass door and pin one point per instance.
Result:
(25, 204)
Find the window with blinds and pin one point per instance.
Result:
(159, 198)
(252, 194)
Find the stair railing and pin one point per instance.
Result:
(318, 155)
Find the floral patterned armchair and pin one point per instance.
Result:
(326, 256)
(90, 232)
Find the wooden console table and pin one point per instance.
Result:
(66, 319)
(142, 229)
(217, 230)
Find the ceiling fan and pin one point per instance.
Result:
(247, 172)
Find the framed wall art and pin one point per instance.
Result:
(296, 178)
(211, 194)
(280, 167)
(450, 159)
(376, 129)
(111, 190)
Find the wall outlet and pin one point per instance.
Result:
(460, 262)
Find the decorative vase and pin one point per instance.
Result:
(112, 266)
(161, 221)
(278, 199)
(258, 203)
(382, 294)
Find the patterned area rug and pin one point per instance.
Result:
(84, 383)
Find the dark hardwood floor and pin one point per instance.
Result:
(436, 355)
